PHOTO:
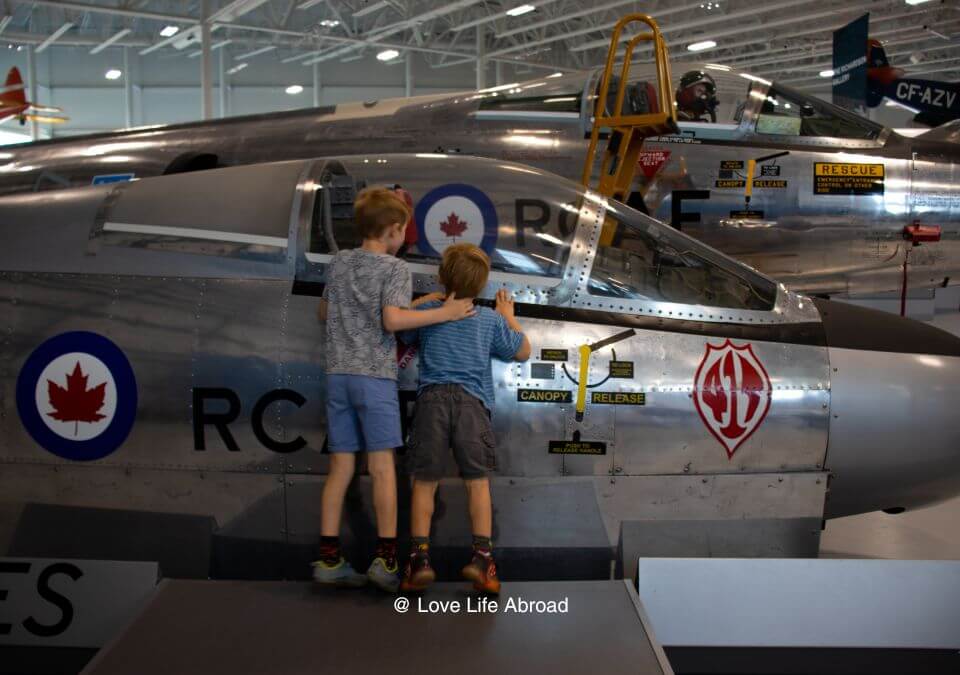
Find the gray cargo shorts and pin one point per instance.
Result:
(447, 417)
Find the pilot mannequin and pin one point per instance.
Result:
(697, 97)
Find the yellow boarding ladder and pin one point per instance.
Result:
(619, 164)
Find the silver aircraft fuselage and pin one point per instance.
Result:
(831, 197)
(162, 355)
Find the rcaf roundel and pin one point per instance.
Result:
(77, 396)
(732, 393)
(455, 213)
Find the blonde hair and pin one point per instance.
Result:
(376, 209)
(464, 270)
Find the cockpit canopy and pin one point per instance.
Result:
(529, 222)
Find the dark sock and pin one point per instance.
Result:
(481, 545)
(330, 550)
(387, 549)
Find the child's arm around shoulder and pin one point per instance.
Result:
(398, 288)
(505, 309)
(453, 309)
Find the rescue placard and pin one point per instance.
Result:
(544, 396)
(622, 369)
(618, 398)
(553, 354)
(731, 164)
(577, 448)
(843, 178)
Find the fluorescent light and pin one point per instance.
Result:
(294, 89)
(113, 74)
(237, 68)
(826, 73)
(109, 41)
(255, 52)
(329, 23)
(309, 3)
(916, 2)
(700, 46)
(170, 31)
(520, 10)
(556, 75)
(355, 57)
(388, 54)
(369, 9)
(53, 37)
(717, 66)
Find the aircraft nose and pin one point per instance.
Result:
(894, 438)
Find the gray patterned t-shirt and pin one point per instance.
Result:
(359, 285)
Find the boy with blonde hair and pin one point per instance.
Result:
(454, 410)
(365, 300)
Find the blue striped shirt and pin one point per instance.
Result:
(459, 352)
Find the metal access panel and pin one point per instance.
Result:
(219, 626)
(857, 604)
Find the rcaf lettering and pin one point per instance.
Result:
(220, 420)
(535, 214)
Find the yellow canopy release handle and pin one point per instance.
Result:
(585, 352)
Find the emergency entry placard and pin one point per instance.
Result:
(847, 178)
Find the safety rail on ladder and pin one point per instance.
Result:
(619, 164)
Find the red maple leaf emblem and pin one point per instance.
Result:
(76, 403)
(453, 226)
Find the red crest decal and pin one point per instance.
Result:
(731, 391)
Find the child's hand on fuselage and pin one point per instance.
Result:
(505, 303)
(455, 308)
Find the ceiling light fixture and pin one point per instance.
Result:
(826, 73)
(294, 89)
(520, 10)
(700, 46)
(169, 31)
(113, 74)
(387, 54)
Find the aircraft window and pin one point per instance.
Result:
(524, 221)
(646, 260)
(788, 113)
(533, 99)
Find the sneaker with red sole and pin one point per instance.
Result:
(482, 571)
(419, 574)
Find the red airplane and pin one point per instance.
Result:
(14, 104)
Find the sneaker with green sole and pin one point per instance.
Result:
(341, 574)
(384, 576)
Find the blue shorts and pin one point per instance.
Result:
(363, 413)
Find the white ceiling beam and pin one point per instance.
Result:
(719, 18)
(922, 64)
(234, 10)
(119, 35)
(54, 37)
(4, 22)
(70, 39)
(585, 31)
(394, 28)
(309, 3)
(739, 61)
(498, 15)
(116, 11)
(255, 52)
(563, 17)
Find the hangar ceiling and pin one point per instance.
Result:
(785, 39)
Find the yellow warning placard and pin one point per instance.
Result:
(847, 178)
